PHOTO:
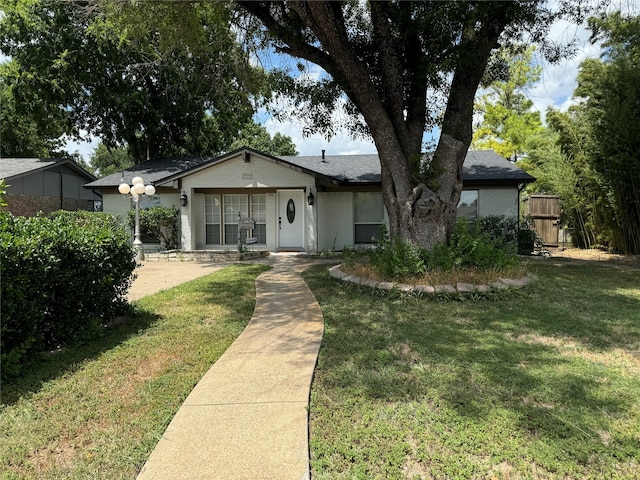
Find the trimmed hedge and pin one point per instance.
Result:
(62, 276)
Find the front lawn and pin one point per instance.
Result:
(542, 384)
(97, 411)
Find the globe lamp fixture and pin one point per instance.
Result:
(135, 191)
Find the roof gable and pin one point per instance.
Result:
(20, 167)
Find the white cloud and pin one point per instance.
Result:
(340, 144)
(558, 81)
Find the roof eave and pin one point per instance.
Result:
(56, 161)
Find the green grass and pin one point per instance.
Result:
(96, 411)
(543, 383)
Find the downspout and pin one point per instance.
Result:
(61, 192)
(521, 187)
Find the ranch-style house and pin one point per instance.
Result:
(294, 203)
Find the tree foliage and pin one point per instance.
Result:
(508, 123)
(610, 87)
(128, 82)
(105, 161)
(21, 133)
(589, 154)
(256, 136)
(400, 69)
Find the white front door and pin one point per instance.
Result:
(291, 219)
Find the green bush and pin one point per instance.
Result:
(397, 259)
(526, 239)
(158, 222)
(62, 277)
(471, 246)
(501, 231)
(481, 245)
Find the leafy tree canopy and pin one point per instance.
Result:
(508, 122)
(105, 161)
(256, 136)
(22, 134)
(130, 83)
(610, 94)
(400, 69)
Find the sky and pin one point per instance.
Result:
(555, 89)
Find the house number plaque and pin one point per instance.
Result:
(291, 210)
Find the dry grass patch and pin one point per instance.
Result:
(628, 361)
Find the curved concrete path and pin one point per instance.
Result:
(247, 418)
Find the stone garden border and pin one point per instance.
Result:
(461, 288)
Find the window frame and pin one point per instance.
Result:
(470, 217)
(227, 222)
(367, 225)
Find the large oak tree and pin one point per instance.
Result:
(392, 61)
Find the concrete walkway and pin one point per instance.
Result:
(247, 418)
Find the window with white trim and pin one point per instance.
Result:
(213, 226)
(222, 213)
(368, 217)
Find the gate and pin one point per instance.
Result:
(544, 211)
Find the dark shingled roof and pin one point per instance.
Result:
(152, 171)
(479, 166)
(488, 166)
(18, 167)
(484, 166)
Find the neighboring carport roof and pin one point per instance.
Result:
(19, 167)
(484, 166)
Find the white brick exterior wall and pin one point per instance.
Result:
(238, 174)
(272, 215)
(328, 224)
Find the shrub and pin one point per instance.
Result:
(158, 222)
(397, 258)
(501, 231)
(527, 238)
(62, 276)
(469, 246)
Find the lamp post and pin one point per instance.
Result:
(136, 190)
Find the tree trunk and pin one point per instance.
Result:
(389, 90)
